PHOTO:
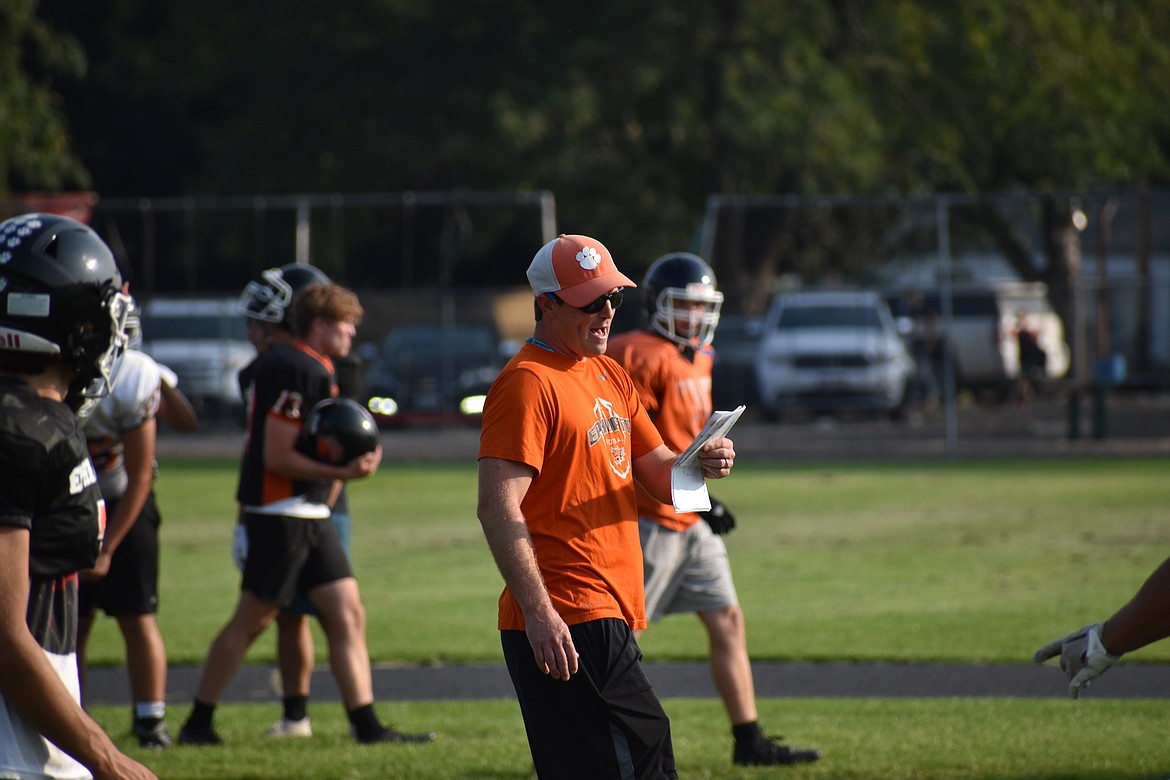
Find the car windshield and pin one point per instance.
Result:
(193, 328)
(428, 348)
(801, 317)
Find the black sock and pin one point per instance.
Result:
(746, 732)
(296, 707)
(200, 717)
(365, 723)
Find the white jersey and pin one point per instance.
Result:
(133, 400)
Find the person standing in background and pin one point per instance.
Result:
(121, 436)
(267, 304)
(285, 494)
(685, 560)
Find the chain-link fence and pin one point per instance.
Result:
(1100, 259)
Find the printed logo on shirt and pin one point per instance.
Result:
(612, 432)
(81, 477)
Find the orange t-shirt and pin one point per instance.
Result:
(581, 426)
(677, 394)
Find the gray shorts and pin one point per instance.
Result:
(685, 571)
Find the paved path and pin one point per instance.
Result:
(692, 680)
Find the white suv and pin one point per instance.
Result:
(204, 341)
(831, 350)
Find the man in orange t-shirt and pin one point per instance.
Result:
(685, 560)
(564, 437)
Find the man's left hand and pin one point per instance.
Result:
(717, 457)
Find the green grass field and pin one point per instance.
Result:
(942, 561)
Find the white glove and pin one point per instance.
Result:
(1082, 656)
(240, 546)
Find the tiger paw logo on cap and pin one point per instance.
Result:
(588, 258)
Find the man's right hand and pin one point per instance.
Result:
(362, 466)
(552, 646)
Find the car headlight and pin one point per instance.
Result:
(381, 405)
(472, 404)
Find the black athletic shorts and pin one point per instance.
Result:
(605, 721)
(287, 554)
(131, 587)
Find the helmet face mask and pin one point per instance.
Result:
(682, 301)
(94, 385)
(268, 298)
(61, 295)
(134, 326)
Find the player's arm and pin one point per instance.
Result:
(502, 486)
(652, 470)
(138, 448)
(175, 410)
(281, 456)
(31, 686)
(1144, 619)
(1088, 652)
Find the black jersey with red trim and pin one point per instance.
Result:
(286, 382)
(245, 378)
(48, 487)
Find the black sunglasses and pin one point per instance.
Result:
(614, 298)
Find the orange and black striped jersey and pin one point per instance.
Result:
(286, 382)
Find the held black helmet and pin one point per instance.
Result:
(61, 295)
(336, 431)
(679, 278)
(268, 298)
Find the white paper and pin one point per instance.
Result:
(688, 489)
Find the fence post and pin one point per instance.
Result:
(303, 230)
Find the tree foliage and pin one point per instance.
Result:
(631, 113)
(35, 148)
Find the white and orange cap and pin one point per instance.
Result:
(579, 269)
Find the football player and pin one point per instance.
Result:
(285, 495)
(1087, 653)
(685, 561)
(267, 304)
(121, 434)
(62, 321)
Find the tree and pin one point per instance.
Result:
(1050, 96)
(632, 114)
(36, 153)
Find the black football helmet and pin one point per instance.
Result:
(337, 430)
(267, 299)
(61, 294)
(676, 277)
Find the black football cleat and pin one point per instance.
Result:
(766, 751)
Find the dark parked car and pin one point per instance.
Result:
(436, 374)
(737, 342)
